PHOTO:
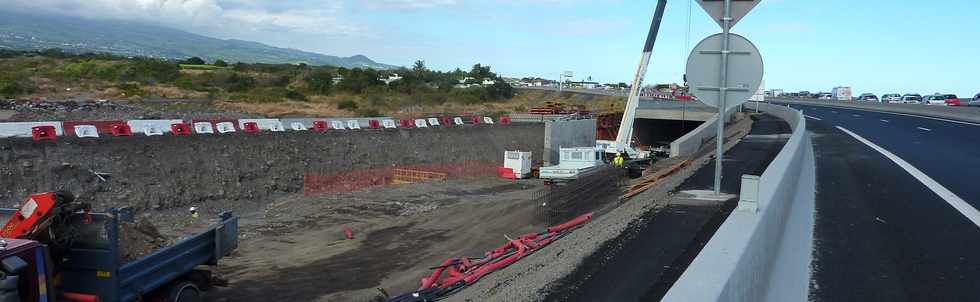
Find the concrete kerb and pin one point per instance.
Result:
(739, 261)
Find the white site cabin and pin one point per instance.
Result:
(572, 163)
(519, 162)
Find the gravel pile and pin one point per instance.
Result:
(45, 110)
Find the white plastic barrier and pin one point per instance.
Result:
(203, 128)
(267, 124)
(225, 127)
(24, 129)
(353, 124)
(762, 250)
(420, 123)
(86, 131)
(337, 125)
(487, 120)
(433, 121)
(297, 126)
(152, 127)
(390, 124)
(458, 121)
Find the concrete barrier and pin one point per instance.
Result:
(762, 251)
(692, 141)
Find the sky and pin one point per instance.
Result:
(874, 46)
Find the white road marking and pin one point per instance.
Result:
(856, 115)
(884, 121)
(904, 114)
(956, 202)
(833, 111)
(812, 117)
(924, 129)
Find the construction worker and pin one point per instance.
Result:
(618, 161)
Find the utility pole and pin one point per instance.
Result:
(720, 148)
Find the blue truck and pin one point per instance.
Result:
(81, 261)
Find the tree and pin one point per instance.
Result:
(194, 61)
(479, 72)
(220, 63)
(623, 85)
(320, 82)
(419, 69)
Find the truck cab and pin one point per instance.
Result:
(25, 271)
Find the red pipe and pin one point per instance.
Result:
(80, 297)
(571, 223)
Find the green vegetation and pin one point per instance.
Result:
(363, 91)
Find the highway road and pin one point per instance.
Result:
(896, 210)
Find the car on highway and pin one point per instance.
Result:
(870, 97)
(947, 99)
(891, 98)
(912, 98)
(825, 96)
(975, 102)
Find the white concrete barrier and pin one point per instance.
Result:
(762, 252)
(692, 141)
(24, 129)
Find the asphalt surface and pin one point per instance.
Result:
(880, 233)
(642, 263)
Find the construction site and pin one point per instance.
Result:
(121, 202)
(356, 215)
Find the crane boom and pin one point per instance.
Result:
(624, 137)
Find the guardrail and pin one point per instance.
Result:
(761, 251)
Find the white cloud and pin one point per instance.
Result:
(169, 12)
(403, 4)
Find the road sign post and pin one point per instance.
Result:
(709, 79)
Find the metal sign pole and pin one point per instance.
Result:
(723, 92)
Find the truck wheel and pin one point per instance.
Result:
(185, 292)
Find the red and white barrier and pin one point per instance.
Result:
(338, 125)
(420, 123)
(353, 125)
(487, 120)
(26, 129)
(458, 121)
(152, 127)
(264, 124)
(389, 124)
(433, 121)
(203, 128)
(86, 131)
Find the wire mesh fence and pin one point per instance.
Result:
(559, 203)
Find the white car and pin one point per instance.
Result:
(826, 96)
(912, 98)
(891, 98)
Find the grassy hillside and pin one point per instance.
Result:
(271, 89)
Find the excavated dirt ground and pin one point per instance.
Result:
(295, 249)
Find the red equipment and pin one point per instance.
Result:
(374, 124)
(36, 214)
(455, 273)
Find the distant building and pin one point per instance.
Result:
(337, 78)
(583, 84)
(391, 78)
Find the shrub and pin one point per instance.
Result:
(348, 105)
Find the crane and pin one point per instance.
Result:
(623, 143)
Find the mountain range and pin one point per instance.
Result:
(29, 32)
